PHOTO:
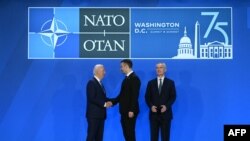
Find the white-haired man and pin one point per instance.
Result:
(97, 102)
(160, 95)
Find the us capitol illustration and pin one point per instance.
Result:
(210, 50)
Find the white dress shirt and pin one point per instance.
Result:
(158, 80)
(129, 73)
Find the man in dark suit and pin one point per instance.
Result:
(128, 100)
(160, 95)
(97, 102)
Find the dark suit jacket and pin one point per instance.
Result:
(96, 99)
(128, 96)
(166, 97)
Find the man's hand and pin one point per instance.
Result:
(154, 109)
(131, 114)
(163, 108)
(109, 104)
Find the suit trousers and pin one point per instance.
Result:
(128, 127)
(158, 122)
(95, 129)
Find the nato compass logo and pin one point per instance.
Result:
(71, 32)
(53, 33)
(51, 36)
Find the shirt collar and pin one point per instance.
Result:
(162, 78)
(97, 79)
(129, 73)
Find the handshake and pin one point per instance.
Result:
(108, 104)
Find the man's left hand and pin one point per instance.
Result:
(163, 108)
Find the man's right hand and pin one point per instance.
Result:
(154, 109)
(109, 104)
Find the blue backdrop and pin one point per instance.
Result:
(45, 100)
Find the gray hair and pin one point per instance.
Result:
(163, 64)
(97, 66)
